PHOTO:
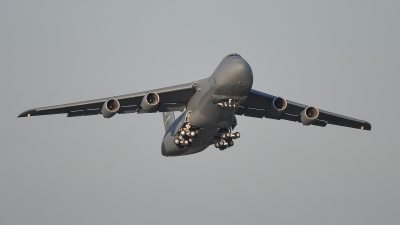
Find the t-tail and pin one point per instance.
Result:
(169, 118)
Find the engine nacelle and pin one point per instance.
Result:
(150, 101)
(309, 115)
(277, 106)
(110, 108)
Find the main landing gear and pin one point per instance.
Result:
(186, 135)
(226, 140)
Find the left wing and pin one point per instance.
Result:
(172, 98)
(259, 104)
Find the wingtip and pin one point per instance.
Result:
(367, 126)
(27, 113)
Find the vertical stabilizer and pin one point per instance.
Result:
(168, 117)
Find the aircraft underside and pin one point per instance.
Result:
(190, 139)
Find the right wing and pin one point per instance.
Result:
(258, 105)
(172, 98)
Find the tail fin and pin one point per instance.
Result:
(169, 118)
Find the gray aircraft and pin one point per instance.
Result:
(209, 106)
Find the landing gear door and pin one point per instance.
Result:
(234, 122)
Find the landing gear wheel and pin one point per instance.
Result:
(176, 141)
(237, 134)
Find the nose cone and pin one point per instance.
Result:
(240, 69)
(237, 79)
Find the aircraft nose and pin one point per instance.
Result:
(236, 79)
(240, 68)
(240, 71)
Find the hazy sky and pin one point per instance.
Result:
(340, 56)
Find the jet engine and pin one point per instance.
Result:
(309, 115)
(150, 101)
(110, 108)
(277, 106)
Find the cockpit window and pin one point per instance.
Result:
(230, 55)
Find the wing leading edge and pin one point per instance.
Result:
(258, 105)
(172, 98)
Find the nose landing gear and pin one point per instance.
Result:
(228, 103)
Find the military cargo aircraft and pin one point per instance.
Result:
(209, 109)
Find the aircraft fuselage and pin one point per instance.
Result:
(229, 84)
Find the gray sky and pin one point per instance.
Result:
(339, 56)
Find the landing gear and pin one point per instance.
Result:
(186, 135)
(226, 139)
(228, 103)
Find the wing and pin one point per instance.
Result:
(172, 98)
(258, 104)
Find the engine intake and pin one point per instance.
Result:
(309, 115)
(277, 106)
(150, 101)
(110, 108)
